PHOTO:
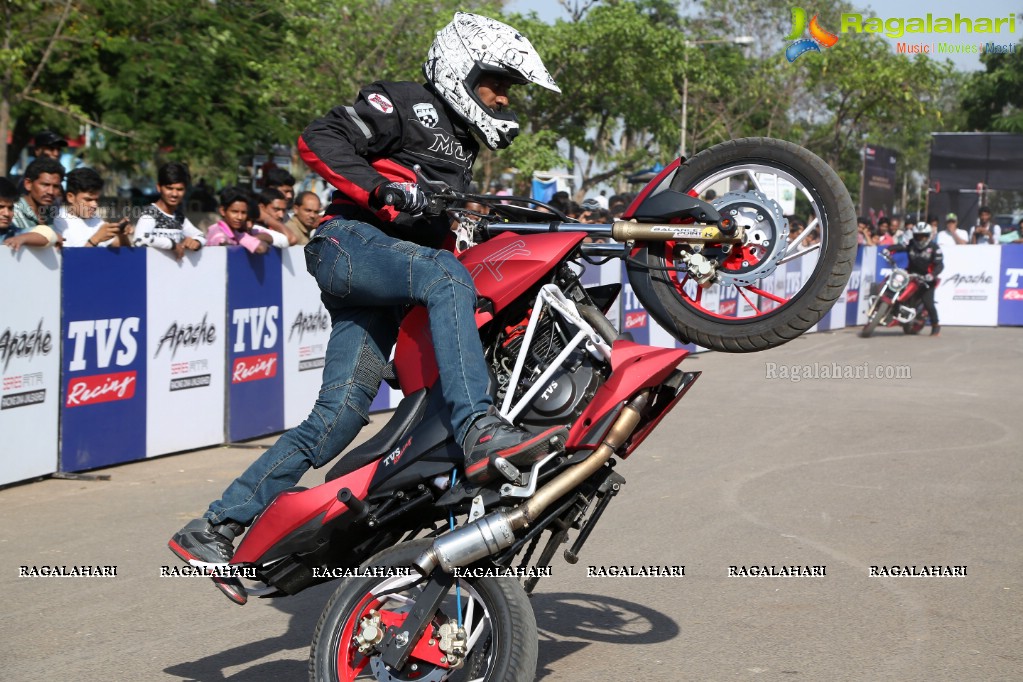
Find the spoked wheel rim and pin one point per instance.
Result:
(393, 598)
(737, 304)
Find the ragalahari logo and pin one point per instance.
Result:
(819, 36)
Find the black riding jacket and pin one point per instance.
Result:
(391, 128)
(923, 259)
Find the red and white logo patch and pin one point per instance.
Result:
(380, 102)
(633, 320)
(101, 388)
(254, 368)
(1013, 295)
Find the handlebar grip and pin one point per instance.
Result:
(393, 198)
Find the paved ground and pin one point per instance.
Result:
(748, 470)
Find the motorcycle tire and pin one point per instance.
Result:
(652, 278)
(508, 655)
(917, 325)
(879, 314)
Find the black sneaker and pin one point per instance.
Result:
(492, 437)
(200, 543)
(935, 330)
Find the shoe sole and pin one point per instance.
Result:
(231, 588)
(525, 453)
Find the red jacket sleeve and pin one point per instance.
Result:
(341, 145)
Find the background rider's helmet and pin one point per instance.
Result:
(467, 48)
(922, 233)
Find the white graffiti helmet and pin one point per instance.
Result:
(922, 232)
(466, 49)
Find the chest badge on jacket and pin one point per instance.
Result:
(427, 114)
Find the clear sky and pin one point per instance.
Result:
(549, 10)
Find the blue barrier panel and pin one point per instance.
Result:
(255, 344)
(1010, 303)
(103, 414)
(852, 290)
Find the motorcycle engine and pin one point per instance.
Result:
(566, 393)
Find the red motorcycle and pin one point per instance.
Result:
(430, 589)
(896, 301)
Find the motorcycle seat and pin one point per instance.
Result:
(408, 412)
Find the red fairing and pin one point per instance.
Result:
(645, 192)
(633, 367)
(502, 269)
(908, 292)
(290, 511)
(414, 360)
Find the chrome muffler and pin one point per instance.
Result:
(496, 531)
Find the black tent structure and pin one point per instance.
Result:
(968, 170)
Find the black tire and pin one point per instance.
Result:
(513, 640)
(918, 323)
(879, 314)
(805, 309)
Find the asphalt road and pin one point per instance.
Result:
(748, 471)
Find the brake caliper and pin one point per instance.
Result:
(454, 643)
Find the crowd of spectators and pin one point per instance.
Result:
(55, 207)
(58, 207)
(890, 231)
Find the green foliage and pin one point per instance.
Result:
(211, 81)
(992, 99)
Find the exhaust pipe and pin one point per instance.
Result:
(496, 531)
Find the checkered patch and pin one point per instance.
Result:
(427, 114)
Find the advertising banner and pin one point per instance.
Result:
(255, 401)
(186, 343)
(852, 290)
(30, 359)
(869, 269)
(968, 292)
(1010, 304)
(103, 414)
(636, 321)
(306, 332)
(877, 190)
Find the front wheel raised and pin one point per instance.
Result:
(495, 612)
(779, 283)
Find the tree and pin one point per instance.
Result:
(35, 38)
(620, 74)
(993, 99)
(860, 92)
(333, 48)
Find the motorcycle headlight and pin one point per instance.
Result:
(898, 280)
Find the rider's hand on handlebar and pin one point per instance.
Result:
(404, 196)
(885, 253)
(929, 278)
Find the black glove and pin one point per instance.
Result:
(404, 196)
(885, 252)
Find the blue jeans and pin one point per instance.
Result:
(367, 279)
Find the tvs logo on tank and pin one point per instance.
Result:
(102, 345)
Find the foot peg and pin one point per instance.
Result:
(506, 469)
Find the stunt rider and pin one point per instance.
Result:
(925, 259)
(372, 260)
